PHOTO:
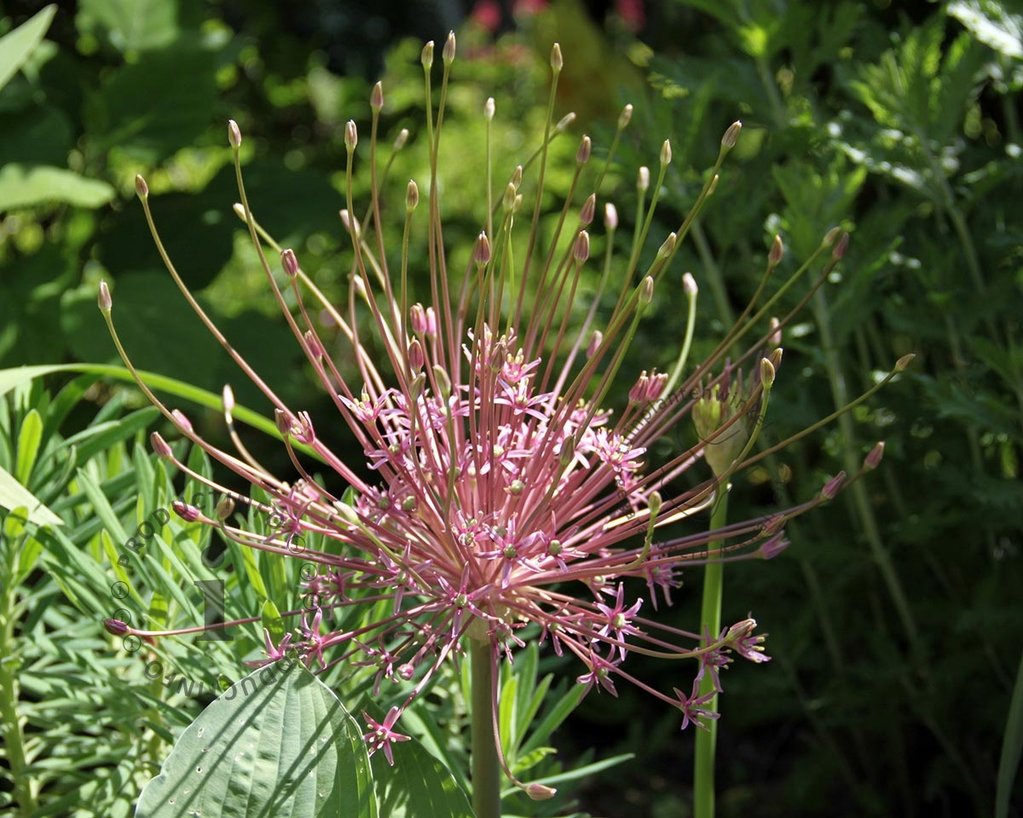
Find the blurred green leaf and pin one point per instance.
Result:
(26, 186)
(156, 105)
(132, 24)
(992, 23)
(17, 46)
(40, 135)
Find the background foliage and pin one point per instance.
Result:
(894, 617)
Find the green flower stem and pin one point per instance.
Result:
(710, 623)
(486, 769)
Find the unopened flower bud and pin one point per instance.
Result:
(227, 399)
(185, 511)
(624, 117)
(426, 56)
(448, 54)
(417, 317)
(224, 509)
(516, 177)
(638, 392)
(610, 217)
(351, 135)
(646, 290)
(376, 97)
(840, 246)
(401, 139)
(581, 250)
(595, 341)
(643, 179)
(106, 303)
(481, 252)
(667, 246)
(160, 445)
(774, 546)
(873, 458)
(731, 135)
(564, 122)
(776, 252)
(567, 455)
(831, 236)
(239, 211)
(289, 262)
(488, 109)
(582, 156)
(689, 285)
(833, 486)
(416, 356)
(283, 422)
(665, 157)
(234, 134)
(313, 345)
(411, 196)
(443, 381)
(557, 62)
(775, 357)
(587, 211)
(904, 361)
(116, 627)
(774, 339)
(540, 792)
(654, 502)
(182, 421)
(350, 225)
(509, 197)
(141, 188)
(766, 373)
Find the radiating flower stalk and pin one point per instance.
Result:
(500, 500)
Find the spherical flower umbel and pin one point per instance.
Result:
(500, 498)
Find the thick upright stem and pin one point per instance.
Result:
(486, 769)
(710, 624)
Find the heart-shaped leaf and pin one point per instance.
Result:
(276, 743)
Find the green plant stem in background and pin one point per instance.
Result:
(710, 625)
(861, 503)
(486, 769)
(24, 794)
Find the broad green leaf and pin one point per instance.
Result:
(29, 437)
(14, 495)
(417, 786)
(147, 110)
(23, 186)
(133, 24)
(17, 46)
(278, 742)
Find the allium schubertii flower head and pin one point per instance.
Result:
(502, 498)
